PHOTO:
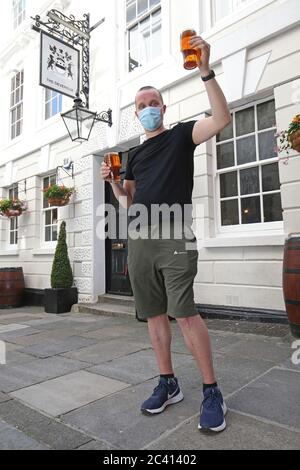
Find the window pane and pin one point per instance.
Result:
(142, 6)
(54, 216)
(48, 234)
(245, 122)
(131, 10)
(226, 133)
(12, 238)
(221, 8)
(270, 177)
(228, 184)
(272, 207)
(134, 48)
(52, 179)
(249, 179)
(48, 218)
(154, 2)
(266, 115)
(18, 128)
(54, 233)
(156, 34)
(145, 44)
(48, 110)
(251, 213)
(246, 151)
(225, 155)
(230, 212)
(267, 145)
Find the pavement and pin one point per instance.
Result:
(76, 381)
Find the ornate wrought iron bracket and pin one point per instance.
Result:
(105, 116)
(69, 170)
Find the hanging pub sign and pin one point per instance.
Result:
(59, 66)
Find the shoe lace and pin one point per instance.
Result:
(161, 385)
(212, 399)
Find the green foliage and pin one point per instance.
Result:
(61, 274)
(56, 191)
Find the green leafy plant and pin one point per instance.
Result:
(58, 192)
(286, 136)
(61, 274)
(12, 205)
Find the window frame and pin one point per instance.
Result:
(13, 108)
(136, 22)
(13, 192)
(21, 15)
(51, 243)
(251, 227)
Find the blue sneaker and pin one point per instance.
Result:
(167, 392)
(213, 411)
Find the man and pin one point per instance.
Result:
(162, 271)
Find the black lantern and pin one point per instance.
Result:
(79, 121)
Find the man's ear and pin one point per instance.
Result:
(164, 108)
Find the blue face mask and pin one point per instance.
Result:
(151, 118)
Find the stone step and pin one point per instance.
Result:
(106, 309)
(115, 298)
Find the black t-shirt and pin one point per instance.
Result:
(163, 168)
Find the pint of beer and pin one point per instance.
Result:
(113, 160)
(190, 56)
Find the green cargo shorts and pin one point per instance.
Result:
(162, 273)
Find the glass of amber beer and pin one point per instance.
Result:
(113, 160)
(191, 56)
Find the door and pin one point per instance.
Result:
(117, 278)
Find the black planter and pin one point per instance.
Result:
(60, 300)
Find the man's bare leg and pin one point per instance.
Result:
(197, 339)
(161, 337)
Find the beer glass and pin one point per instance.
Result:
(191, 56)
(113, 160)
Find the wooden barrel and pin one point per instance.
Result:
(11, 287)
(291, 282)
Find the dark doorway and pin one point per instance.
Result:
(117, 278)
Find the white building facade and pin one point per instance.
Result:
(250, 194)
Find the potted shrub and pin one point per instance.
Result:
(12, 207)
(58, 195)
(290, 138)
(61, 296)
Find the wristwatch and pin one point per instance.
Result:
(209, 77)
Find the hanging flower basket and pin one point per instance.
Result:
(295, 140)
(12, 207)
(290, 138)
(58, 195)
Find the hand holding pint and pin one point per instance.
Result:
(111, 166)
(191, 55)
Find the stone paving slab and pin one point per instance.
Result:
(53, 347)
(43, 429)
(234, 372)
(72, 391)
(4, 397)
(137, 367)
(274, 396)
(10, 335)
(42, 336)
(118, 331)
(258, 348)
(13, 439)
(14, 377)
(97, 445)
(106, 351)
(118, 419)
(242, 433)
